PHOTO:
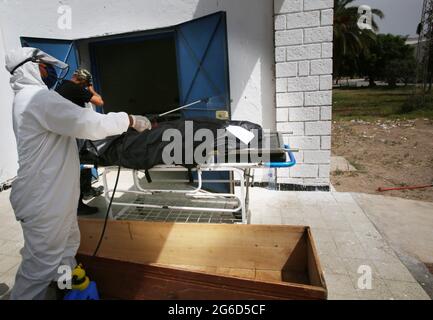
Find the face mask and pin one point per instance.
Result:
(51, 80)
(41, 57)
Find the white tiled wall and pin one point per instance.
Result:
(303, 57)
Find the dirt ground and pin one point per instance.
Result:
(387, 153)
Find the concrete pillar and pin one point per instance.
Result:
(303, 60)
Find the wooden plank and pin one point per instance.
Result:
(232, 246)
(202, 261)
(296, 261)
(268, 275)
(125, 280)
(314, 268)
(236, 272)
(253, 274)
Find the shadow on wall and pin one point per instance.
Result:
(278, 5)
(251, 54)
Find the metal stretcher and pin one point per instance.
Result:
(242, 170)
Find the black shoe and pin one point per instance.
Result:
(85, 210)
(93, 192)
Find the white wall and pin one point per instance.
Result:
(250, 36)
(303, 55)
(8, 158)
(300, 58)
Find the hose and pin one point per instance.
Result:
(107, 214)
(111, 201)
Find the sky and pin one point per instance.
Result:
(401, 16)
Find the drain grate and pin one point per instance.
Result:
(175, 215)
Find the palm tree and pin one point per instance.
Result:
(349, 39)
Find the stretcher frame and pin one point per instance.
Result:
(242, 170)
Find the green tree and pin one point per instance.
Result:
(349, 40)
(389, 59)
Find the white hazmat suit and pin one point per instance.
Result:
(45, 193)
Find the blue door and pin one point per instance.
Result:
(203, 66)
(203, 71)
(64, 50)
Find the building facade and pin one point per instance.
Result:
(279, 52)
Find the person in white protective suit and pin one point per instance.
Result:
(45, 193)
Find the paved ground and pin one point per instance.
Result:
(345, 236)
(397, 219)
(346, 239)
(11, 241)
(408, 227)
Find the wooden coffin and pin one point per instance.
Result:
(152, 260)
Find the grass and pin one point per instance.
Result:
(383, 102)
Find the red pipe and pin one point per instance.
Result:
(404, 188)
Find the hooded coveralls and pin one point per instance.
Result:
(45, 193)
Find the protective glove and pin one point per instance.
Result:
(141, 123)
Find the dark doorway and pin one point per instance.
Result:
(137, 76)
